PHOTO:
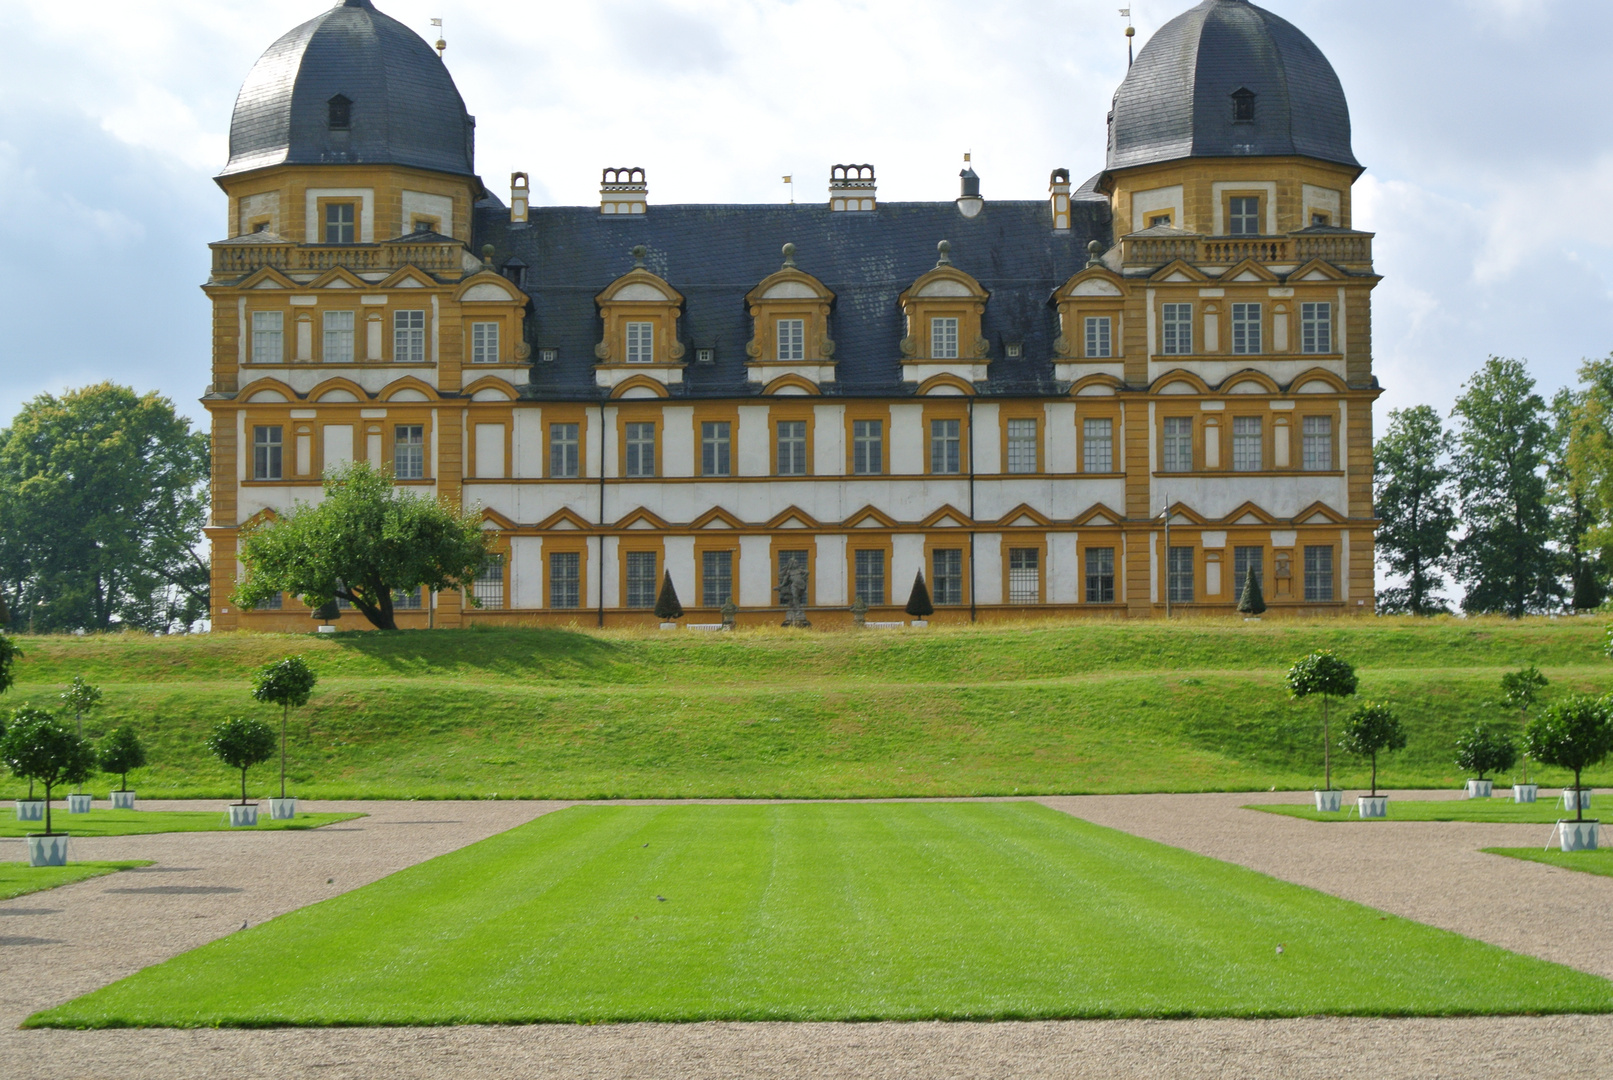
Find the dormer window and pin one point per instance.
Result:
(1243, 106)
(341, 113)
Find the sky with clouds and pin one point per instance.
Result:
(1483, 125)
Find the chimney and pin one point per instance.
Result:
(969, 200)
(623, 191)
(851, 187)
(519, 191)
(1058, 190)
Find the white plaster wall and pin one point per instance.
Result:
(1282, 496)
(526, 571)
(424, 203)
(1064, 573)
(680, 564)
(829, 588)
(338, 444)
(526, 450)
(1214, 371)
(753, 442)
(828, 440)
(612, 579)
(613, 455)
(907, 559)
(489, 451)
(989, 568)
(755, 572)
(591, 562)
(988, 448)
(366, 214)
(1154, 201)
(591, 444)
(1059, 452)
(678, 441)
(907, 443)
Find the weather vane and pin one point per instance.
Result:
(790, 180)
(1131, 32)
(441, 43)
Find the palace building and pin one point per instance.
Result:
(1108, 402)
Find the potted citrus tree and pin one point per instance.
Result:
(1483, 749)
(1369, 731)
(40, 749)
(287, 683)
(120, 754)
(1574, 733)
(81, 697)
(28, 808)
(242, 742)
(1521, 690)
(1327, 675)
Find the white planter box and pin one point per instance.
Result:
(885, 625)
(707, 627)
(1577, 835)
(283, 809)
(123, 800)
(243, 816)
(79, 804)
(30, 809)
(327, 630)
(1584, 798)
(669, 626)
(920, 622)
(1480, 789)
(1372, 806)
(1329, 802)
(47, 850)
(1525, 792)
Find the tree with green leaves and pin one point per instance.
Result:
(1327, 675)
(1521, 690)
(1574, 733)
(36, 747)
(242, 742)
(1411, 496)
(1481, 749)
(103, 494)
(81, 697)
(287, 683)
(667, 604)
(120, 754)
(366, 541)
(1575, 498)
(918, 601)
(1503, 560)
(1251, 601)
(9, 655)
(1371, 729)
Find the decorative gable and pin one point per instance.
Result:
(639, 312)
(942, 311)
(789, 313)
(1095, 293)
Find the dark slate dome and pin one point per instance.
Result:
(402, 106)
(1229, 79)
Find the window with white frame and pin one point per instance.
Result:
(640, 343)
(1024, 576)
(792, 339)
(944, 339)
(1243, 215)
(716, 578)
(1176, 322)
(268, 337)
(1316, 454)
(1319, 572)
(642, 579)
(488, 588)
(1179, 575)
(792, 447)
(564, 447)
(867, 447)
(1098, 336)
(1316, 327)
(640, 440)
(1100, 575)
(1246, 328)
(338, 337)
(409, 337)
(869, 576)
(484, 342)
(409, 452)
(1177, 445)
(565, 579)
(1248, 444)
(268, 452)
(716, 448)
(1022, 446)
(1244, 559)
(339, 222)
(947, 580)
(408, 601)
(946, 446)
(1097, 445)
(548, 356)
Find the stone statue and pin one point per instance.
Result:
(792, 594)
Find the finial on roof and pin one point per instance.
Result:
(944, 251)
(639, 251)
(1095, 250)
(487, 254)
(789, 256)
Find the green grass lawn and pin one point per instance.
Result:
(100, 822)
(1599, 861)
(1198, 705)
(20, 879)
(824, 911)
(1545, 811)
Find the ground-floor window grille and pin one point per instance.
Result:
(273, 602)
(488, 588)
(1319, 573)
(947, 581)
(1243, 560)
(1179, 576)
(565, 579)
(409, 452)
(1024, 576)
(716, 578)
(408, 601)
(641, 579)
(1101, 575)
(870, 576)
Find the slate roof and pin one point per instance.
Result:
(1176, 101)
(715, 254)
(405, 107)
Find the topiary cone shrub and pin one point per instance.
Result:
(1326, 674)
(667, 604)
(1368, 731)
(1574, 733)
(1483, 749)
(1251, 602)
(918, 601)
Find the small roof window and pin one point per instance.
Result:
(341, 113)
(1243, 106)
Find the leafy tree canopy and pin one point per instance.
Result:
(287, 682)
(1483, 749)
(1412, 496)
(121, 753)
(242, 742)
(1521, 689)
(1323, 672)
(1574, 733)
(1578, 437)
(1369, 730)
(363, 542)
(37, 747)
(9, 655)
(80, 696)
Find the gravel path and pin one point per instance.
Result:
(59, 944)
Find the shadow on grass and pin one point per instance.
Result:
(495, 650)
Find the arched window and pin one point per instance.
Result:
(341, 113)
(1243, 106)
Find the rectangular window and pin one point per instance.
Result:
(792, 558)
(1316, 328)
(1022, 446)
(1179, 575)
(1097, 335)
(946, 447)
(268, 337)
(792, 339)
(564, 456)
(1101, 575)
(1178, 445)
(339, 219)
(565, 579)
(870, 576)
(1247, 444)
(642, 579)
(488, 588)
(716, 448)
(1159, 221)
(338, 337)
(484, 342)
(867, 447)
(946, 583)
(640, 343)
(944, 339)
(268, 452)
(1177, 323)
(1097, 445)
(409, 452)
(1317, 452)
(274, 603)
(1024, 576)
(640, 449)
(408, 337)
(1318, 572)
(1245, 559)
(717, 578)
(792, 448)
(1246, 328)
(408, 601)
(548, 356)
(1244, 215)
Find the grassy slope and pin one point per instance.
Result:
(1599, 861)
(101, 822)
(1087, 707)
(20, 879)
(1544, 812)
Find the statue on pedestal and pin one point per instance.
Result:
(792, 594)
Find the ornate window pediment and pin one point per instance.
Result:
(790, 320)
(639, 312)
(1090, 306)
(942, 312)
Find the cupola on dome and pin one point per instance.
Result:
(1229, 79)
(351, 86)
